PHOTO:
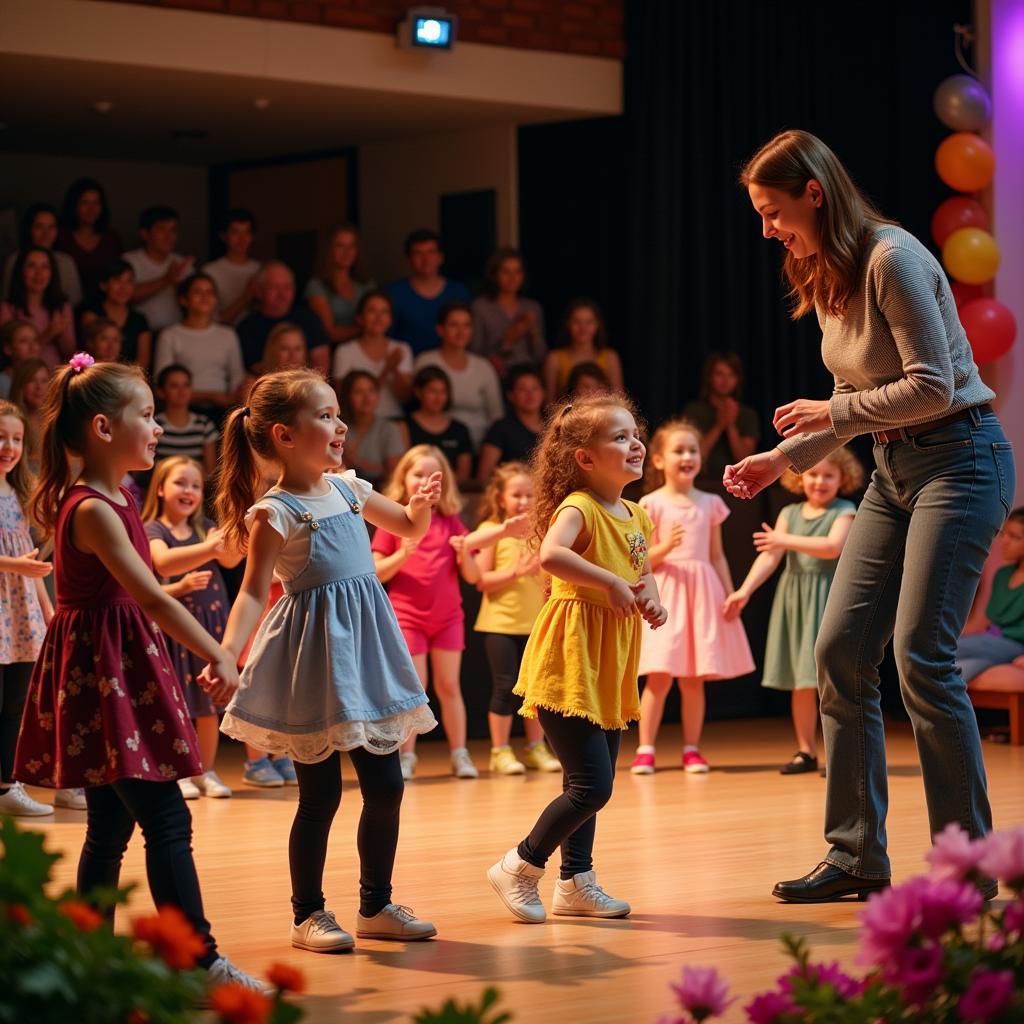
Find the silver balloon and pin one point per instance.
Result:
(961, 103)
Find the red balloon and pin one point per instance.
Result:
(964, 293)
(990, 328)
(957, 212)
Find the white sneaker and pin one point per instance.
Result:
(515, 881)
(222, 971)
(394, 922)
(462, 764)
(581, 896)
(210, 784)
(189, 790)
(321, 933)
(17, 802)
(73, 798)
(408, 760)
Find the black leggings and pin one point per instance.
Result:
(14, 680)
(504, 655)
(381, 785)
(159, 808)
(588, 754)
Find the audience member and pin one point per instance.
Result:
(29, 385)
(373, 444)
(586, 379)
(429, 422)
(39, 228)
(102, 340)
(116, 284)
(388, 360)
(35, 295)
(475, 388)
(285, 348)
(583, 339)
(158, 268)
(512, 438)
(418, 298)
(19, 342)
(507, 328)
(186, 432)
(85, 233)
(335, 295)
(235, 272)
(275, 303)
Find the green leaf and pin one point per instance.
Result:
(24, 863)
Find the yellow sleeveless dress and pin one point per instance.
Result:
(581, 659)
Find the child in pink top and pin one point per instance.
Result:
(423, 584)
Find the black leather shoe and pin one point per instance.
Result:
(989, 889)
(802, 762)
(827, 884)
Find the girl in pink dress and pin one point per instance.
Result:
(693, 579)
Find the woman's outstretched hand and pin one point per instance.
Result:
(804, 416)
(754, 473)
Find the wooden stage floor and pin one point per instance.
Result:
(695, 855)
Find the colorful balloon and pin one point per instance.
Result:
(991, 329)
(957, 212)
(965, 162)
(964, 293)
(971, 255)
(961, 103)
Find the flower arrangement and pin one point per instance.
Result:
(934, 952)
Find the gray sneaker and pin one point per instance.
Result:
(462, 764)
(222, 971)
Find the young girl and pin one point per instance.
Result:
(423, 578)
(19, 342)
(101, 338)
(810, 535)
(693, 579)
(187, 554)
(26, 608)
(28, 391)
(328, 670)
(583, 340)
(285, 347)
(579, 672)
(513, 589)
(429, 424)
(104, 708)
(373, 444)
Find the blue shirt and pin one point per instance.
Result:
(415, 318)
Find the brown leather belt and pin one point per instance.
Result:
(902, 433)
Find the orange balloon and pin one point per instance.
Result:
(971, 256)
(965, 162)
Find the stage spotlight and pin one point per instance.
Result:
(427, 28)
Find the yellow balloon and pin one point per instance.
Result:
(971, 256)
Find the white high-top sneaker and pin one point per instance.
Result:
(515, 881)
(581, 896)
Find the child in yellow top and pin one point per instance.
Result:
(579, 671)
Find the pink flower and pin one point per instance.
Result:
(703, 992)
(80, 360)
(767, 1008)
(946, 902)
(889, 921)
(955, 854)
(917, 971)
(1004, 857)
(1013, 917)
(990, 993)
(818, 975)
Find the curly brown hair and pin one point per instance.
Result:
(851, 473)
(654, 477)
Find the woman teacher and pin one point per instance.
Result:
(942, 486)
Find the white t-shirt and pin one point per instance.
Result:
(161, 309)
(350, 356)
(212, 354)
(476, 392)
(231, 279)
(295, 552)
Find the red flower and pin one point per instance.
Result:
(240, 1005)
(286, 978)
(171, 936)
(81, 915)
(138, 1017)
(19, 914)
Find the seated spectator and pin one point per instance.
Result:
(476, 390)
(730, 430)
(85, 233)
(39, 228)
(116, 285)
(286, 347)
(507, 329)
(586, 379)
(29, 385)
(102, 340)
(429, 422)
(19, 342)
(35, 295)
(275, 303)
(186, 432)
(388, 360)
(583, 340)
(512, 438)
(373, 444)
(210, 350)
(158, 268)
(235, 272)
(418, 298)
(335, 295)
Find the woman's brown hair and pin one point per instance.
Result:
(20, 478)
(654, 477)
(851, 473)
(712, 360)
(490, 502)
(153, 506)
(846, 218)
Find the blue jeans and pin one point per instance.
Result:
(980, 651)
(909, 572)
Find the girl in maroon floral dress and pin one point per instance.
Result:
(104, 709)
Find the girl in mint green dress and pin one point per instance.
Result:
(810, 535)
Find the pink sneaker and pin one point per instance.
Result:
(643, 764)
(694, 763)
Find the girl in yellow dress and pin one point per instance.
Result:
(579, 670)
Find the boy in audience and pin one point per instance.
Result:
(186, 432)
(158, 268)
(235, 272)
(116, 284)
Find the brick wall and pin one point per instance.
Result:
(592, 27)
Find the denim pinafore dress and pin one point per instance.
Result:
(329, 669)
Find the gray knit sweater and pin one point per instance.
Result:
(899, 354)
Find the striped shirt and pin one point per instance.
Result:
(899, 354)
(187, 440)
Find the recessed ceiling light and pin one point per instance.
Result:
(261, 102)
(103, 106)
